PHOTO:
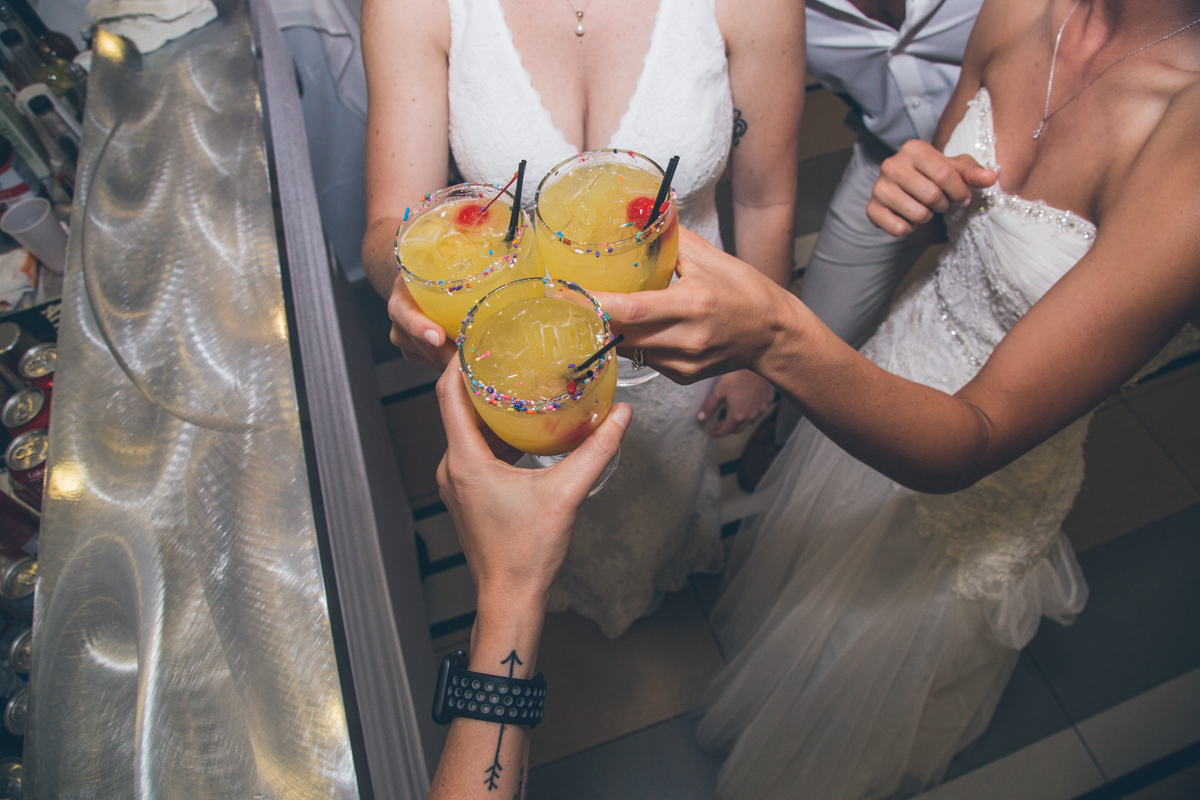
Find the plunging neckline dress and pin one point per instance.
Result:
(870, 629)
(657, 519)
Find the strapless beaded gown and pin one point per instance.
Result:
(870, 630)
(656, 521)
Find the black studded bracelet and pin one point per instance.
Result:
(492, 698)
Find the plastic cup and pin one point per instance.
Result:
(34, 227)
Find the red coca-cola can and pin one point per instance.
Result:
(36, 366)
(27, 410)
(26, 460)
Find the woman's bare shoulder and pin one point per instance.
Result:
(1003, 23)
(774, 24)
(389, 23)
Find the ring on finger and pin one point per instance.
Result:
(639, 358)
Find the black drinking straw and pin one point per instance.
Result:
(662, 191)
(516, 208)
(599, 354)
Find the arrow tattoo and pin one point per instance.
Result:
(493, 772)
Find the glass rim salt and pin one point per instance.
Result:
(639, 238)
(431, 202)
(546, 405)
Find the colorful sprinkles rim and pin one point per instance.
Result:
(461, 191)
(604, 248)
(520, 405)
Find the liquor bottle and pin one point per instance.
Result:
(53, 43)
(60, 141)
(27, 65)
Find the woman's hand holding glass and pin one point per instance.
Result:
(721, 315)
(514, 524)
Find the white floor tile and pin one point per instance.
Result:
(803, 249)
(734, 502)
(441, 538)
(1183, 785)
(1147, 727)
(1056, 768)
(448, 594)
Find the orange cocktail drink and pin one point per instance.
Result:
(591, 222)
(522, 349)
(452, 252)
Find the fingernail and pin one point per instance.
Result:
(431, 337)
(621, 415)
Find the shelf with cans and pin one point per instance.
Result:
(42, 93)
(27, 361)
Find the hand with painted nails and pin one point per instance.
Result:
(920, 181)
(515, 524)
(420, 339)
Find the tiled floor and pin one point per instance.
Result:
(1109, 706)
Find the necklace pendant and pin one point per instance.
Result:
(1041, 127)
(579, 31)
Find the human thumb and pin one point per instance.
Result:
(584, 465)
(973, 173)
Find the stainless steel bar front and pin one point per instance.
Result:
(182, 644)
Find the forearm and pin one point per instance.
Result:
(918, 436)
(764, 238)
(379, 258)
(484, 759)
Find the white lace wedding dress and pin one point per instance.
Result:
(870, 629)
(657, 519)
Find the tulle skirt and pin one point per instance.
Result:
(855, 669)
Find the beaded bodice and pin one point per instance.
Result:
(1004, 253)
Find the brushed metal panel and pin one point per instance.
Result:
(182, 646)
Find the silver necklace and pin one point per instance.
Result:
(579, 31)
(1046, 112)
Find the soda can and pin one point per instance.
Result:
(20, 653)
(18, 577)
(36, 365)
(18, 528)
(12, 775)
(14, 341)
(27, 410)
(26, 461)
(16, 711)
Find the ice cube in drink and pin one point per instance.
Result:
(519, 349)
(452, 252)
(591, 222)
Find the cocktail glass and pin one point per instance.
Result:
(521, 348)
(590, 221)
(451, 254)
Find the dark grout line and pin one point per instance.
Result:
(614, 739)
(1152, 773)
(443, 564)
(1166, 452)
(407, 394)
(708, 622)
(439, 629)
(1066, 714)
(424, 512)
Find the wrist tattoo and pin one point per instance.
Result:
(739, 126)
(493, 772)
